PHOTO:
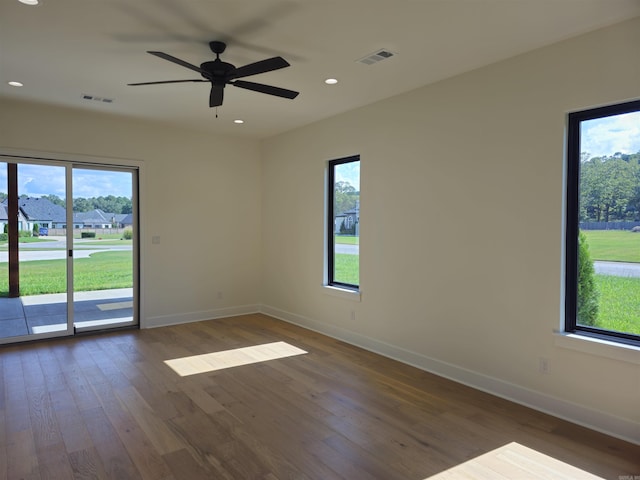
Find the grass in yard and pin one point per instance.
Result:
(614, 245)
(103, 236)
(4, 244)
(101, 271)
(619, 303)
(347, 268)
(347, 239)
(90, 243)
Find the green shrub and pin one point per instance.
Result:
(36, 230)
(127, 234)
(24, 233)
(87, 234)
(588, 294)
(4, 237)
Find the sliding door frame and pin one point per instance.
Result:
(135, 243)
(13, 155)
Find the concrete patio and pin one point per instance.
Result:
(37, 314)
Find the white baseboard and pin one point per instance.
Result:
(572, 412)
(166, 320)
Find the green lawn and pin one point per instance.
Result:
(619, 296)
(347, 239)
(91, 243)
(101, 271)
(347, 268)
(619, 303)
(614, 245)
(3, 244)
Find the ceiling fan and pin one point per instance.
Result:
(221, 74)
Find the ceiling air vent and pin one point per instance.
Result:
(376, 57)
(96, 99)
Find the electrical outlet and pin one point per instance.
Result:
(543, 365)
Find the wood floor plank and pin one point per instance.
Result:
(22, 459)
(160, 435)
(115, 458)
(182, 465)
(87, 465)
(141, 449)
(53, 462)
(108, 406)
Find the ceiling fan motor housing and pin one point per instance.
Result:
(217, 71)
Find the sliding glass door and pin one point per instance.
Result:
(104, 260)
(68, 249)
(33, 268)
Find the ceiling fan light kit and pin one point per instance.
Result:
(220, 74)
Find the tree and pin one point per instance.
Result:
(82, 205)
(607, 186)
(588, 294)
(633, 207)
(56, 200)
(345, 197)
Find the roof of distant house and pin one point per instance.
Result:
(41, 209)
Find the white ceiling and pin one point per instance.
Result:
(62, 49)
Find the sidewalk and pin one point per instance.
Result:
(45, 313)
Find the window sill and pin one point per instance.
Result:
(342, 292)
(600, 347)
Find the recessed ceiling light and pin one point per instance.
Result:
(16, 84)
(331, 81)
(238, 121)
(30, 2)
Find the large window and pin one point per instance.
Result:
(343, 223)
(603, 223)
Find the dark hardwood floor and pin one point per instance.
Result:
(107, 406)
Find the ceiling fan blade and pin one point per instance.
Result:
(268, 89)
(262, 66)
(216, 95)
(164, 81)
(170, 58)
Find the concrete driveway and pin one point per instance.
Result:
(618, 269)
(56, 250)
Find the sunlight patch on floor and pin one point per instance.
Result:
(115, 305)
(58, 327)
(210, 362)
(514, 461)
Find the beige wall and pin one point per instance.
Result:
(461, 228)
(200, 193)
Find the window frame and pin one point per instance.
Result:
(331, 249)
(572, 225)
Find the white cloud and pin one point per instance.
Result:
(38, 180)
(609, 135)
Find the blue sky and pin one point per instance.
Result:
(606, 136)
(348, 172)
(39, 180)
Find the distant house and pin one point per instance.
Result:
(100, 219)
(126, 220)
(4, 218)
(348, 222)
(40, 211)
(47, 214)
(94, 219)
